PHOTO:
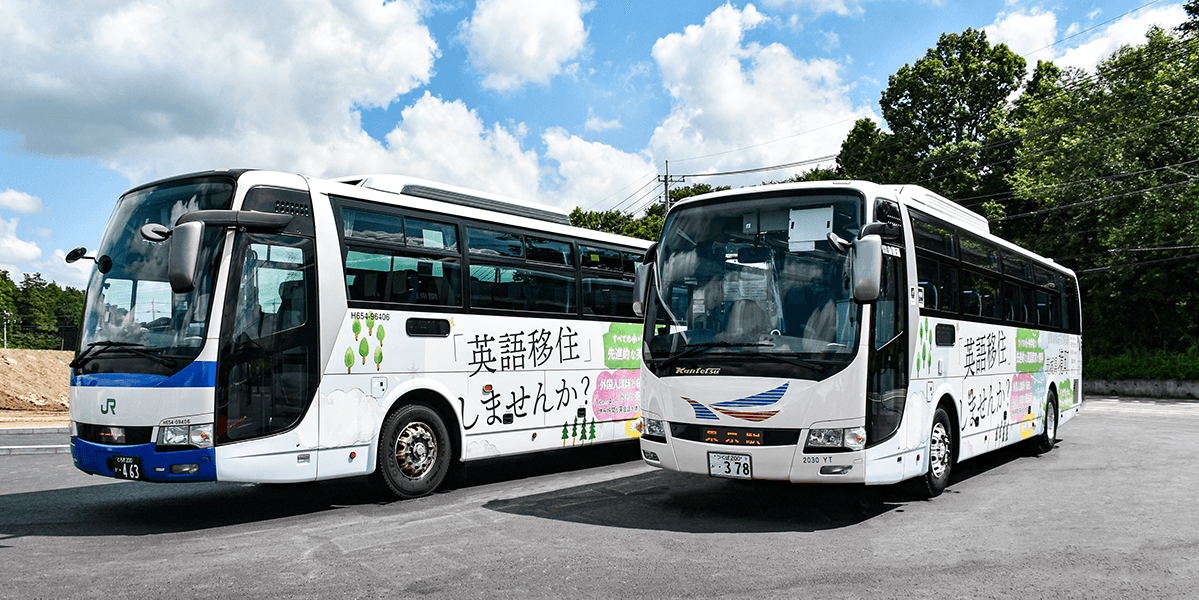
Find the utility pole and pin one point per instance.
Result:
(666, 180)
(6, 316)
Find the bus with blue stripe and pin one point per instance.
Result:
(256, 326)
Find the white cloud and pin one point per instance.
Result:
(14, 249)
(1129, 30)
(1023, 31)
(447, 142)
(819, 7)
(20, 201)
(1031, 33)
(515, 42)
(590, 171)
(595, 123)
(155, 89)
(729, 95)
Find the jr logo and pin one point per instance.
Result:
(109, 406)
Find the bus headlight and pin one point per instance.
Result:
(199, 436)
(175, 435)
(653, 430)
(850, 438)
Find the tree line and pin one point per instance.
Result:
(1097, 170)
(39, 315)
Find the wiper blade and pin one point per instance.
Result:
(819, 368)
(95, 349)
(691, 350)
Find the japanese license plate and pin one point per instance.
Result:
(126, 467)
(733, 466)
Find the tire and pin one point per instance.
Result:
(1044, 443)
(414, 452)
(940, 456)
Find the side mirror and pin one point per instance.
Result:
(643, 271)
(867, 268)
(640, 285)
(76, 254)
(185, 252)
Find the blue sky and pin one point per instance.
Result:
(563, 102)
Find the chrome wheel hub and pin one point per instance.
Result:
(416, 450)
(938, 451)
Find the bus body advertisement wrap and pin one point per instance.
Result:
(307, 329)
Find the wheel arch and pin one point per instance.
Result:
(951, 409)
(437, 399)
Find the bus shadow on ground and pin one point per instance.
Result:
(688, 503)
(139, 508)
(658, 500)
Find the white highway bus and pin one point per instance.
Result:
(255, 326)
(848, 332)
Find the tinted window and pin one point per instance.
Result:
(938, 283)
(608, 297)
(496, 243)
(373, 226)
(979, 253)
(929, 236)
(515, 288)
(549, 251)
(601, 258)
(431, 235)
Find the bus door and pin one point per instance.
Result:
(268, 362)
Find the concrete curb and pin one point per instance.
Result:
(6, 431)
(14, 450)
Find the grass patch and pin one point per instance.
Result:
(1143, 365)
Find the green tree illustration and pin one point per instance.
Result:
(370, 324)
(380, 333)
(565, 433)
(356, 327)
(592, 432)
(364, 349)
(349, 360)
(379, 358)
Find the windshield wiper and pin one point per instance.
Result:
(95, 349)
(698, 348)
(799, 362)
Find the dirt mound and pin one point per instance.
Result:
(37, 380)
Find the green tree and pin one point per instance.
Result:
(1105, 183)
(1191, 25)
(946, 114)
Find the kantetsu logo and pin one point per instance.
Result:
(697, 371)
(109, 406)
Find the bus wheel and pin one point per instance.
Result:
(1044, 442)
(940, 455)
(414, 452)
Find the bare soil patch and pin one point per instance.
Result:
(35, 387)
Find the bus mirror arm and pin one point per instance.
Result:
(186, 236)
(249, 219)
(867, 268)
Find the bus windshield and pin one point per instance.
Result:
(133, 323)
(756, 279)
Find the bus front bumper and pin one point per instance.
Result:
(142, 462)
(780, 463)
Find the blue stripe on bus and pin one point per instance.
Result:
(197, 374)
(93, 458)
